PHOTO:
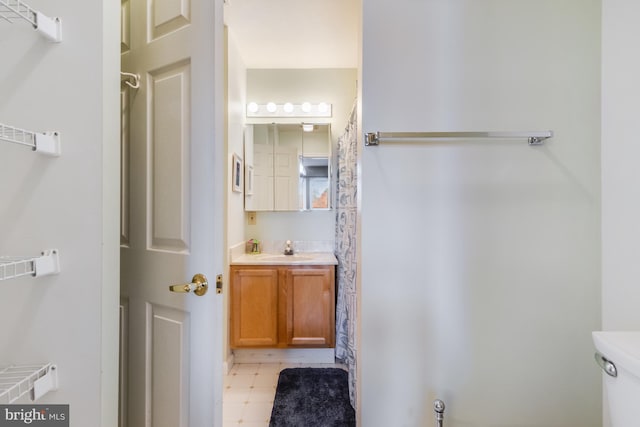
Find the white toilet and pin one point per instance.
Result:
(618, 353)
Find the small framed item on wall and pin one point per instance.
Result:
(236, 175)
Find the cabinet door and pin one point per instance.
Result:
(310, 307)
(254, 307)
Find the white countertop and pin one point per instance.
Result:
(302, 258)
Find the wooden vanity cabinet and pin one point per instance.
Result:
(285, 306)
(254, 306)
(309, 306)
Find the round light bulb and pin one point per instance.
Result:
(306, 107)
(272, 107)
(288, 107)
(323, 107)
(252, 107)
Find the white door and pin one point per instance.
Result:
(262, 198)
(174, 228)
(287, 176)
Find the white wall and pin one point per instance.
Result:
(236, 101)
(480, 260)
(620, 172)
(620, 175)
(236, 76)
(336, 86)
(70, 203)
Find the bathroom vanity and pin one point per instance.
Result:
(283, 301)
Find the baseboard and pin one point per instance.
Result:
(284, 355)
(228, 364)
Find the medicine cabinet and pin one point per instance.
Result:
(287, 167)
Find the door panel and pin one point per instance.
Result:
(287, 176)
(168, 356)
(125, 29)
(169, 116)
(168, 16)
(124, 165)
(123, 363)
(263, 177)
(175, 227)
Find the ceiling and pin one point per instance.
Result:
(295, 33)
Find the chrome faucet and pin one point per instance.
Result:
(288, 249)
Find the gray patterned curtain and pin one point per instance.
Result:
(346, 251)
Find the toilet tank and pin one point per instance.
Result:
(619, 355)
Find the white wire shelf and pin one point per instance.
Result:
(12, 10)
(35, 380)
(47, 143)
(43, 265)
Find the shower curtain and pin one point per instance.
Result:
(346, 251)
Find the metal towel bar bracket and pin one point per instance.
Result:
(438, 409)
(533, 138)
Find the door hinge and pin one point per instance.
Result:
(219, 284)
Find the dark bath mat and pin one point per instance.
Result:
(312, 397)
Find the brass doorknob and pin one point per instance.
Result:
(198, 285)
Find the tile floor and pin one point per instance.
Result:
(249, 390)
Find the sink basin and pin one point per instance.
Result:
(285, 258)
(304, 258)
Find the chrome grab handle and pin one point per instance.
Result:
(438, 408)
(608, 366)
(198, 285)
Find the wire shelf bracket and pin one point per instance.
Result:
(51, 28)
(47, 143)
(533, 138)
(35, 380)
(46, 264)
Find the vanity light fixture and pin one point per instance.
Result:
(288, 109)
(252, 107)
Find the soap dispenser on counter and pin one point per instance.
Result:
(288, 249)
(253, 246)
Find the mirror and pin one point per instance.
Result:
(287, 167)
